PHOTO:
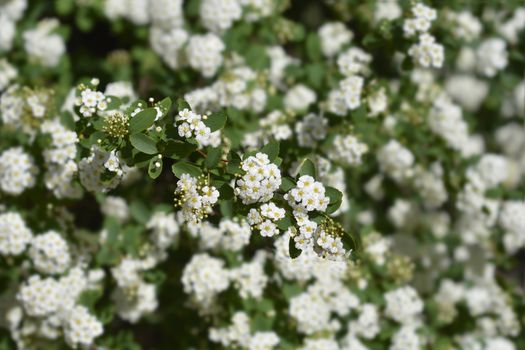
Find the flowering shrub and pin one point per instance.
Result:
(262, 174)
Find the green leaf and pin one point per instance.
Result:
(143, 143)
(165, 105)
(131, 240)
(113, 103)
(64, 7)
(213, 157)
(334, 194)
(271, 149)
(183, 167)
(176, 149)
(182, 104)
(141, 160)
(256, 57)
(226, 192)
(261, 323)
(290, 290)
(226, 207)
(336, 198)
(349, 242)
(284, 223)
(287, 184)
(315, 73)
(313, 47)
(359, 115)
(307, 168)
(139, 211)
(234, 163)
(108, 254)
(294, 252)
(154, 170)
(142, 120)
(66, 119)
(216, 121)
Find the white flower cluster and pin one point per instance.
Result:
(238, 334)
(250, 279)
(334, 36)
(511, 29)
(169, 44)
(313, 308)
(60, 160)
(219, 15)
(347, 150)
(446, 120)
(427, 52)
(7, 74)
(403, 305)
(10, 13)
(191, 125)
(257, 9)
(328, 245)
(308, 195)
(134, 10)
(53, 303)
(80, 327)
(264, 218)
(396, 161)
(491, 56)
(92, 168)
(467, 90)
(325, 239)
(465, 25)
(239, 87)
(311, 129)
(165, 228)
(273, 126)
(91, 101)
(115, 207)
(44, 46)
(353, 61)
(347, 96)
(14, 234)
(195, 197)
(40, 297)
(422, 20)
(11, 106)
(299, 97)
(430, 185)
(204, 53)
(260, 180)
(203, 278)
(512, 219)
(134, 298)
(50, 253)
(17, 171)
(230, 235)
(406, 338)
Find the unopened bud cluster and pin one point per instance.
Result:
(116, 124)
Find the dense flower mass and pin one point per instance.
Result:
(262, 174)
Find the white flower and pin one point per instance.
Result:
(204, 53)
(260, 181)
(14, 234)
(80, 327)
(17, 171)
(50, 253)
(268, 228)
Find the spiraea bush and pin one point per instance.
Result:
(262, 174)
